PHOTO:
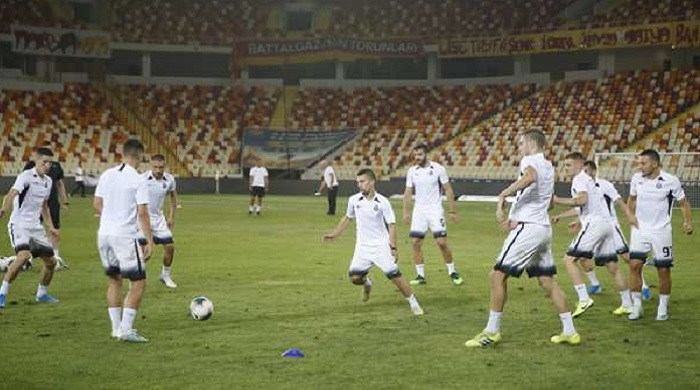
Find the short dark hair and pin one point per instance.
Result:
(158, 157)
(537, 136)
(591, 165)
(367, 172)
(422, 147)
(44, 152)
(133, 147)
(652, 154)
(576, 156)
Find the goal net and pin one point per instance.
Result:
(619, 168)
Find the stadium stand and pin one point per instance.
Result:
(395, 119)
(204, 123)
(628, 12)
(77, 121)
(604, 115)
(30, 12)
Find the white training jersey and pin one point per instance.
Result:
(655, 198)
(372, 218)
(594, 209)
(258, 174)
(79, 174)
(531, 204)
(157, 189)
(33, 191)
(427, 183)
(330, 177)
(121, 189)
(610, 196)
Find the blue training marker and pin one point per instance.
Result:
(293, 352)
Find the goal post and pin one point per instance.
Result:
(619, 168)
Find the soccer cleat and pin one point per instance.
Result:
(61, 264)
(3, 299)
(646, 293)
(456, 279)
(167, 281)
(418, 280)
(132, 336)
(662, 317)
(622, 310)
(366, 290)
(115, 335)
(417, 311)
(594, 289)
(581, 307)
(483, 340)
(637, 313)
(46, 298)
(573, 339)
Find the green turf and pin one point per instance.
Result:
(275, 286)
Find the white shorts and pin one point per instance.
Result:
(160, 231)
(121, 256)
(611, 247)
(658, 242)
(32, 239)
(528, 247)
(593, 237)
(380, 256)
(422, 220)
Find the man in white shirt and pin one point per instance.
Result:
(528, 246)
(426, 179)
(652, 194)
(598, 231)
(259, 184)
(29, 198)
(601, 196)
(329, 181)
(79, 181)
(376, 239)
(159, 185)
(121, 199)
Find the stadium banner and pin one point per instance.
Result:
(282, 149)
(271, 52)
(60, 42)
(676, 34)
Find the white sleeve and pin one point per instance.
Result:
(677, 190)
(612, 192)
(265, 174)
(142, 192)
(20, 183)
(409, 180)
(527, 162)
(633, 186)
(579, 185)
(173, 184)
(99, 191)
(388, 212)
(442, 176)
(48, 193)
(350, 213)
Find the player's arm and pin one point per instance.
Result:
(267, 183)
(323, 185)
(407, 200)
(48, 222)
(570, 213)
(145, 224)
(687, 216)
(173, 207)
(339, 229)
(7, 201)
(628, 213)
(97, 204)
(580, 200)
(529, 176)
(250, 182)
(632, 204)
(451, 202)
(62, 192)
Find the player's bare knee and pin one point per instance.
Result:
(169, 248)
(393, 275)
(49, 262)
(357, 280)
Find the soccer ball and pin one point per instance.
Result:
(201, 308)
(6, 262)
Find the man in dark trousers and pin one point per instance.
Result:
(330, 182)
(58, 188)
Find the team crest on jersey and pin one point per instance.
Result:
(659, 185)
(376, 207)
(164, 185)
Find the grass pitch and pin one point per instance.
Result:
(275, 286)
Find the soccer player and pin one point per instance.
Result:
(121, 196)
(652, 194)
(598, 232)
(329, 181)
(79, 181)
(426, 178)
(528, 246)
(159, 185)
(259, 184)
(58, 189)
(376, 239)
(612, 244)
(29, 196)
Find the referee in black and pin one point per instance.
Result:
(58, 187)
